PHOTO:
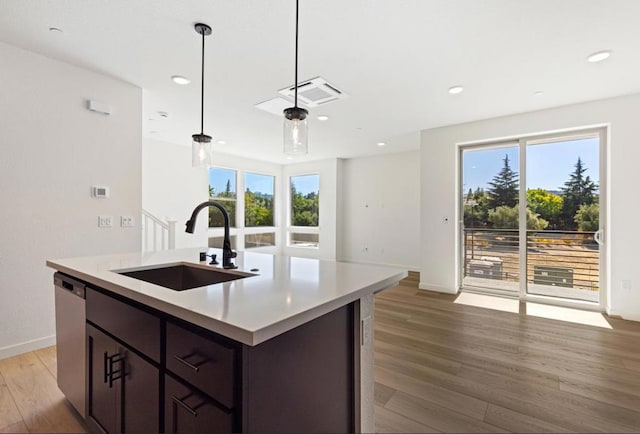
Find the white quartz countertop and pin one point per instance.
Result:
(284, 293)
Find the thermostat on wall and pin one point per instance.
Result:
(100, 191)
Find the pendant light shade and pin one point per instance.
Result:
(201, 147)
(296, 137)
(296, 130)
(201, 151)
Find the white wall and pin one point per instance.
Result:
(381, 210)
(52, 149)
(439, 174)
(171, 188)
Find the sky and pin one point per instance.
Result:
(306, 184)
(548, 165)
(257, 183)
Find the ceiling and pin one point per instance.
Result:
(395, 58)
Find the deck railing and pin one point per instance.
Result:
(555, 258)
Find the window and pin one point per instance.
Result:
(258, 200)
(252, 215)
(222, 188)
(304, 211)
(259, 210)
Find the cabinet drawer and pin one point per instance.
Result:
(186, 410)
(208, 365)
(139, 329)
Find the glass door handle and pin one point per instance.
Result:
(597, 236)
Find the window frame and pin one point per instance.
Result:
(240, 230)
(290, 228)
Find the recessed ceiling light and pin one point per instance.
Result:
(538, 92)
(455, 90)
(599, 56)
(289, 157)
(153, 132)
(55, 30)
(178, 79)
(163, 114)
(381, 144)
(221, 142)
(323, 118)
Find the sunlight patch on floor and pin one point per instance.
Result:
(576, 316)
(488, 302)
(567, 314)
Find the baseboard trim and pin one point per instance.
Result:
(437, 288)
(411, 268)
(629, 316)
(25, 347)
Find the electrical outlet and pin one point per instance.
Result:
(366, 331)
(105, 221)
(126, 221)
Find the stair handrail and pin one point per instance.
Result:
(167, 228)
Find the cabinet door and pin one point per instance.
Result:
(102, 398)
(188, 411)
(140, 395)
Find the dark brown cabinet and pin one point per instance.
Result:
(187, 410)
(150, 372)
(122, 388)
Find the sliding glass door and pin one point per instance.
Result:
(549, 248)
(490, 183)
(563, 217)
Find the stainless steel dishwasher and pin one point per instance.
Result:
(71, 339)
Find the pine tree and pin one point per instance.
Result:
(504, 187)
(578, 190)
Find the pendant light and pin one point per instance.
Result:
(296, 137)
(201, 147)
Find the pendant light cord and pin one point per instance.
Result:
(296, 73)
(202, 88)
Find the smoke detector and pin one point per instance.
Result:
(314, 92)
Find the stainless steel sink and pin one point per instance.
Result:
(182, 276)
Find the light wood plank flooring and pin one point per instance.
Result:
(447, 367)
(440, 367)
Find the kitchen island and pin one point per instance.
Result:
(287, 346)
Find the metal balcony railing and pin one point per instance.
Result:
(568, 259)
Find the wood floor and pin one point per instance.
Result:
(447, 367)
(440, 367)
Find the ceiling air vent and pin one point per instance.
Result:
(314, 92)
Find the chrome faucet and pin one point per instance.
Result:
(227, 253)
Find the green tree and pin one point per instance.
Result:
(476, 209)
(504, 187)
(588, 217)
(546, 204)
(578, 190)
(227, 199)
(258, 209)
(304, 208)
(505, 217)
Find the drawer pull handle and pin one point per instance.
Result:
(186, 363)
(184, 405)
